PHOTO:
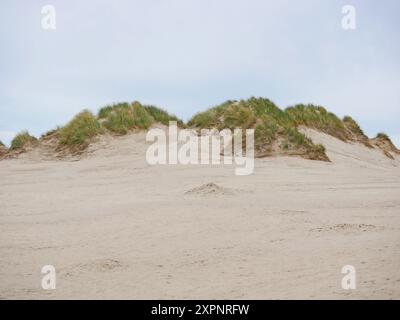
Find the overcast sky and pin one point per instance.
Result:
(187, 55)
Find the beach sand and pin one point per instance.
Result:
(115, 227)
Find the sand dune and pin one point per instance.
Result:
(115, 227)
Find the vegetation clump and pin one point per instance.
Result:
(122, 117)
(352, 125)
(22, 140)
(383, 136)
(383, 142)
(79, 131)
(275, 130)
(3, 149)
(162, 116)
(357, 134)
(50, 133)
(318, 118)
(119, 118)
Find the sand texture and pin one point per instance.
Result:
(115, 227)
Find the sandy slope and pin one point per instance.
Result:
(115, 227)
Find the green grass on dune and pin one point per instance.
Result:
(50, 133)
(119, 118)
(383, 136)
(276, 130)
(143, 120)
(21, 140)
(161, 116)
(383, 141)
(105, 111)
(353, 126)
(272, 125)
(319, 118)
(356, 132)
(122, 117)
(80, 130)
(243, 113)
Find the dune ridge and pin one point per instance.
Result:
(277, 132)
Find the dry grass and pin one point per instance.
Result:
(275, 129)
(318, 118)
(161, 116)
(21, 140)
(383, 136)
(79, 131)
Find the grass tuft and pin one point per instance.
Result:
(143, 120)
(50, 133)
(383, 136)
(353, 126)
(272, 125)
(21, 140)
(80, 130)
(318, 118)
(162, 116)
(124, 117)
(104, 112)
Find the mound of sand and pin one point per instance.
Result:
(385, 144)
(210, 189)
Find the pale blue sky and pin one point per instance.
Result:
(187, 55)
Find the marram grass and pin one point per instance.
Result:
(21, 140)
(80, 130)
(276, 130)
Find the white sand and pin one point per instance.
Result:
(115, 227)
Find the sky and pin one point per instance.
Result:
(186, 56)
